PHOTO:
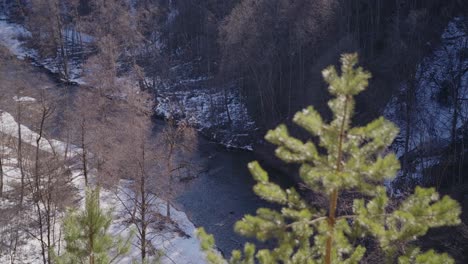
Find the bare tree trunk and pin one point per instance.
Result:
(41, 232)
(62, 43)
(48, 223)
(84, 157)
(143, 206)
(407, 139)
(20, 153)
(408, 125)
(37, 183)
(454, 138)
(38, 142)
(226, 105)
(169, 169)
(1, 175)
(14, 245)
(457, 173)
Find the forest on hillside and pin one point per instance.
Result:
(144, 114)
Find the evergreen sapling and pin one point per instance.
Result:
(87, 236)
(346, 159)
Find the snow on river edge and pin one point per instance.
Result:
(13, 37)
(219, 114)
(175, 248)
(227, 123)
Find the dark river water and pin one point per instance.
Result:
(221, 194)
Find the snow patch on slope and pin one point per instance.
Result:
(13, 36)
(23, 99)
(175, 248)
(219, 114)
(9, 126)
(431, 121)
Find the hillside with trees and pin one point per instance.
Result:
(136, 119)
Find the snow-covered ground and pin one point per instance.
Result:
(24, 99)
(431, 119)
(175, 248)
(10, 37)
(8, 126)
(218, 112)
(13, 36)
(222, 117)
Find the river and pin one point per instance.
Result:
(221, 194)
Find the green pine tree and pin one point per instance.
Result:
(346, 159)
(87, 237)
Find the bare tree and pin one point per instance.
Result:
(140, 199)
(178, 140)
(46, 21)
(134, 159)
(45, 112)
(3, 154)
(83, 127)
(19, 115)
(48, 179)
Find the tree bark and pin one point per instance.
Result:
(334, 193)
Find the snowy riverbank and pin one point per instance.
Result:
(218, 114)
(175, 246)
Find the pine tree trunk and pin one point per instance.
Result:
(331, 224)
(334, 194)
(456, 104)
(91, 248)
